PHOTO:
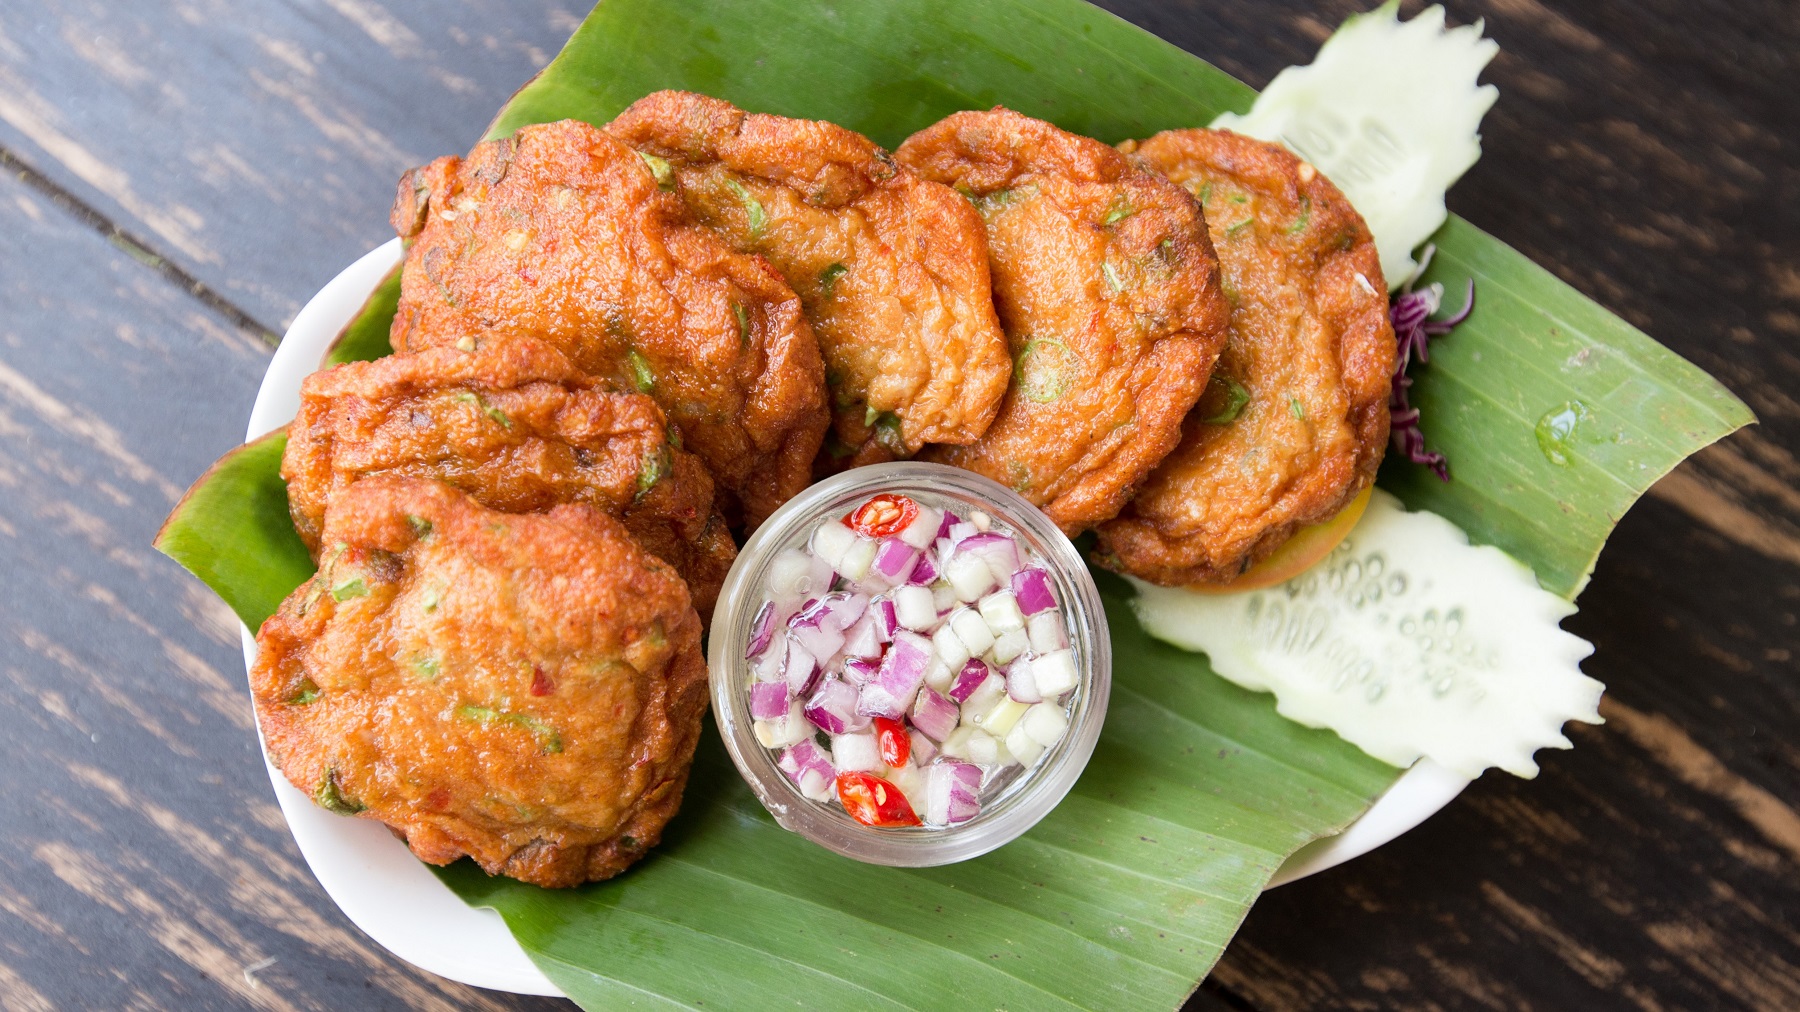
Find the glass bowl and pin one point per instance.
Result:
(1014, 807)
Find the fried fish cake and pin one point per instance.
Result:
(525, 689)
(518, 427)
(561, 232)
(1296, 421)
(892, 269)
(1108, 291)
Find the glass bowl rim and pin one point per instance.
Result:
(1023, 804)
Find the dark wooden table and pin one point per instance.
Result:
(180, 176)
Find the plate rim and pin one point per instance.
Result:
(366, 870)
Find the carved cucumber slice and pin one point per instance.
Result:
(1406, 640)
(1390, 111)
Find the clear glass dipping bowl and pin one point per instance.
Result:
(1018, 805)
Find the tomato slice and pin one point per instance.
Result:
(884, 515)
(873, 801)
(894, 744)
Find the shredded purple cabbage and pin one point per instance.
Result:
(1414, 328)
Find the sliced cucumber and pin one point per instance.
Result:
(1390, 112)
(1406, 640)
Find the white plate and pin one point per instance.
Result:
(398, 902)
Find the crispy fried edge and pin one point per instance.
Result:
(1135, 544)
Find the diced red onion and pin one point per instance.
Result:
(1034, 590)
(833, 708)
(901, 673)
(965, 775)
(969, 679)
(934, 715)
(894, 560)
(845, 608)
(807, 765)
(762, 630)
(887, 621)
(1021, 684)
(1000, 552)
(860, 671)
(792, 727)
(923, 529)
(769, 667)
(952, 792)
(907, 659)
(871, 584)
(989, 694)
(769, 700)
(820, 639)
(950, 520)
(923, 748)
(969, 574)
(800, 670)
(809, 614)
(836, 610)
(845, 656)
(861, 641)
(963, 807)
(925, 571)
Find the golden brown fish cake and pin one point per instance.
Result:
(892, 269)
(1296, 422)
(514, 424)
(1108, 291)
(525, 689)
(560, 232)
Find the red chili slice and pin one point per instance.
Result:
(873, 801)
(884, 515)
(891, 738)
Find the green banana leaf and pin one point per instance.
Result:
(367, 335)
(1127, 893)
(233, 531)
(1121, 898)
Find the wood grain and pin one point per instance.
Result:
(256, 143)
(143, 862)
(1642, 149)
(1644, 152)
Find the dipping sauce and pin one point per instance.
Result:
(910, 665)
(909, 660)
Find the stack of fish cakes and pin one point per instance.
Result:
(616, 346)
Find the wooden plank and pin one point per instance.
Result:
(1638, 150)
(143, 862)
(257, 143)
